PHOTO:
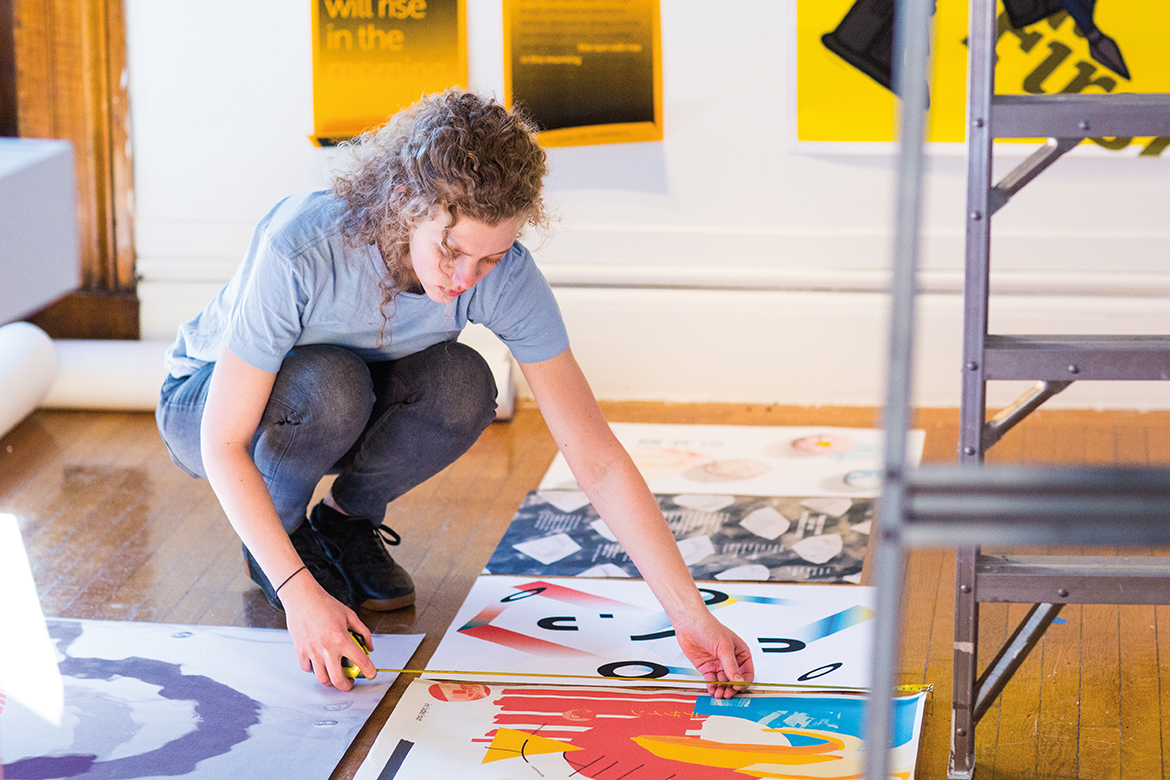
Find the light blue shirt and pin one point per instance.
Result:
(301, 283)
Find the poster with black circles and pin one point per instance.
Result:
(615, 630)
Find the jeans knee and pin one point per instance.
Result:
(466, 387)
(324, 387)
(449, 384)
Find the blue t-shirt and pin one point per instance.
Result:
(301, 283)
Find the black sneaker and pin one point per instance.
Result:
(375, 580)
(312, 549)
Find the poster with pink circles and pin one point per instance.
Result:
(751, 460)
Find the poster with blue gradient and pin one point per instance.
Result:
(615, 630)
(494, 731)
(153, 700)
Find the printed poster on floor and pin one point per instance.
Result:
(721, 537)
(799, 635)
(751, 460)
(587, 73)
(374, 57)
(154, 700)
(493, 731)
(843, 70)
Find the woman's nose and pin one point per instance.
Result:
(464, 275)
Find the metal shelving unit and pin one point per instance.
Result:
(971, 503)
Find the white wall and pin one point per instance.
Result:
(724, 263)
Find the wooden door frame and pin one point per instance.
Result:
(71, 84)
(7, 72)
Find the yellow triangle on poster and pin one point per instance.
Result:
(510, 743)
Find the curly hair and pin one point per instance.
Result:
(456, 150)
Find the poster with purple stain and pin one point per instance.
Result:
(614, 630)
(150, 700)
(721, 537)
(751, 460)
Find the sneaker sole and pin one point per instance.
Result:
(388, 605)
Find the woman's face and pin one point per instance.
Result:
(450, 261)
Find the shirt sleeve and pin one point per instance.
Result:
(265, 318)
(519, 307)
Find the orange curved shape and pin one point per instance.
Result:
(735, 755)
(787, 776)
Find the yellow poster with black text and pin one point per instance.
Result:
(374, 57)
(1053, 46)
(587, 72)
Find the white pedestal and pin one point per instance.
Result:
(38, 225)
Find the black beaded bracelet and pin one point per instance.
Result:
(289, 577)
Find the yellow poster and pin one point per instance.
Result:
(1044, 47)
(587, 72)
(374, 57)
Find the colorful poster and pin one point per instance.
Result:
(750, 460)
(151, 700)
(587, 73)
(844, 55)
(800, 635)
(374, 57)
(492, 731)
(721, 537)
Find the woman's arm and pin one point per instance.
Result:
(607, 474)
(317, 622)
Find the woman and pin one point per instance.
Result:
(332, 350)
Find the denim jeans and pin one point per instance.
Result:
(382, 427)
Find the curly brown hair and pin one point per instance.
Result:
(456, 150)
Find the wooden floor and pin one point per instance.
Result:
(115, 532)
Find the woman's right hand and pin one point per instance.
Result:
(319, 625)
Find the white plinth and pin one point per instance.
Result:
(38, 225)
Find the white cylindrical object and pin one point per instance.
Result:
(28, 367)
(112, 375)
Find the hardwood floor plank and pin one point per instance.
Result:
(31, 449)
(993, 631)
(1019, 734)
(1139, 693)
(1100, 728)
(1137, 645)
(934, 747)
(1162, 711)
(1060, 695)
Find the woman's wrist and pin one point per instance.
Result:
(289, 578)
(298, 588)
(686, 608)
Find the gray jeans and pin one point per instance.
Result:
(381, 427)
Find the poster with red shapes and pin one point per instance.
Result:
(493, 731)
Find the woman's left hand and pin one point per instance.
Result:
(618, 492)
(717, 653)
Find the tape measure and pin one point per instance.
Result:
(348, 667)
(352, 671)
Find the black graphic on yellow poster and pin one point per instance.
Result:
(1045, 47)
(589, 72)
(373, 57)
